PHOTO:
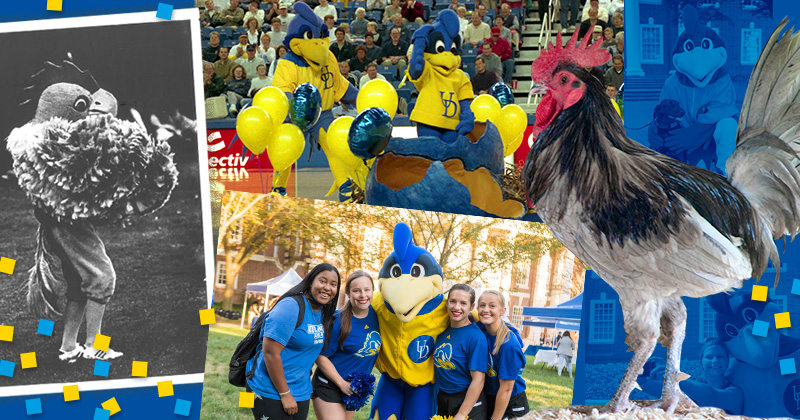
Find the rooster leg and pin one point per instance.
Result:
(673, 331)
(641, 330)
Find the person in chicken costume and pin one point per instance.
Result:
(412, 312)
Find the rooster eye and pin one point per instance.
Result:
(81, 104)
(439, 47)
(688, 45)
(707, 44)
(396, 271)
(563, 79)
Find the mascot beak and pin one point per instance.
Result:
(103, 102)
(407, 295)
(446, 62)
(315, 51)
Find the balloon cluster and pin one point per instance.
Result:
(513, 118)
(362, 385)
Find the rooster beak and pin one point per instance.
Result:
(539, 89)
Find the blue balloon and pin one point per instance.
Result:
(502, 93)
(305, 106)
(370, 132)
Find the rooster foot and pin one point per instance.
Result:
(612, 407)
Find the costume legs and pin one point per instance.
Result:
(397, 400)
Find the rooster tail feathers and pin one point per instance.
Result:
(42, 285)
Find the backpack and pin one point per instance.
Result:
(251, 345)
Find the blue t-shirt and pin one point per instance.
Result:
(459, 351)
(302, 347)
(360, 348)
(507, 364)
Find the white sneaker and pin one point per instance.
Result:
(95, 354)
(71, 356)
(233, 110)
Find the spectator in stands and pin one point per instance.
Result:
(331, 30)
(413, 11)
(342, 49)
(397, 23)
(378, 5)
(240, 49)
(284, 15)
(569, 15)
(391, 10)
(476, 32)
(454, 5)
(487, 5)
(491, 60)
(462, 19)
(236, 88)
(612, 90)
(259, 82)
(232, 16)
(502, 48)
(617, 48)
(589, 24)
(485, 18)
(617, 6)
(279, 53)
(608, 37)
(360, 61)
(344, 68)
(543, 4)
(346, 28)
(272, 12)
(616, 74)
(511, 22)
(483, 80)
(224, 65)
(373, 50)
(602, 12)
(265, 51)
(212, 84)
(254, 12)
(211, 52)
(617, 22)
(358, 27)
(372, 28)
(394, 52)
(276, 35)
(324, 9)
(210, 16)
(250, 62)
(253, 31)
(597, 34)
(372, 74)
(505, 33)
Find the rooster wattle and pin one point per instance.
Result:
(654, 228)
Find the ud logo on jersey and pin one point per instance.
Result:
(450, 106)
(327, 77)
(442, 355)
(372, 344)
(420, 349)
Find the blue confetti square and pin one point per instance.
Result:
(788, 367)
(796, 287)
(7, 368)
(45, 327)
(100, 414)
(164, 11)
(101, 368)
(33, 406)
(182, 407)
(760, 328)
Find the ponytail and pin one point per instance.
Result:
(346, 314)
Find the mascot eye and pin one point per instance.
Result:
(453, 49)
(439, 47)
(750, 314)
(417, 271)
(81, 104)
(731, 330)
(688, 45)
(396, 271)
(308, 35)
(707, 44)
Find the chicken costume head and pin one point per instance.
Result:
(307, 36)
(699, 52)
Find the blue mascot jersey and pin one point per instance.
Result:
(361, 347)
(303, 346)
(459, 351)
(507, 364)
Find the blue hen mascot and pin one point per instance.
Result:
(412, 313)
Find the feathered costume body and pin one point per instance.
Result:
(80, 165)
(655, 228)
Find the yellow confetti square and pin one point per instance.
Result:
(7, 265)
(54, 5)
(6, 333)
(247, 399)
(165, 389)
(28, 360)
(139, 369)
(782, 320)
(759, 293)
(112, 406)
(101, 342)
(71, 393)
(207, 316)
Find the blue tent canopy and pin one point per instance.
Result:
(564, 316)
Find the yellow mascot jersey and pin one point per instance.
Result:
(407, 350)
(439, 94)
(293, 71)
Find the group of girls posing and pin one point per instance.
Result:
(477, 364)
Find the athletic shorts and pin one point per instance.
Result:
(325, 389)
(273, 409)
(449, 404)
(517, 406)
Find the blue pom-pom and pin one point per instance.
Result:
(363, 385)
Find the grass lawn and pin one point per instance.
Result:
(221, 400)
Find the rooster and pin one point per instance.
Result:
(654, 228)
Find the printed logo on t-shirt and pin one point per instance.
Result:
(450, 106)
(327, 77)
(420, 349)
(442, 355)
(372, 344)
(319, 333)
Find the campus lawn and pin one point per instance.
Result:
(220, 399)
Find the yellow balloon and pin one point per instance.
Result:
(485, 107)
(254, 127)
(274, 101)
(337, 142)
(511, 124)
(286, 146)
(377, 93)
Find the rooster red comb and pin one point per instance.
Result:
(585, 55)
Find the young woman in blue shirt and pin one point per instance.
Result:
(505, 387)
(354, 344)
(282, 376)
(460, 360)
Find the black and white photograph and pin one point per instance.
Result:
(105, 205)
